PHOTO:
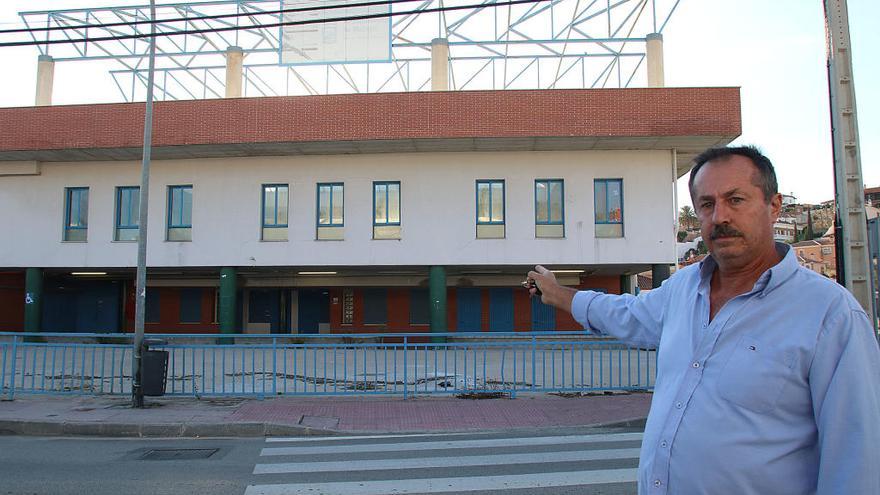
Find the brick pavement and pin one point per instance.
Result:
(186, 416)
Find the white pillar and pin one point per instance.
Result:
(655, 60)
(45, 77)
(439, 64)
(234, 59)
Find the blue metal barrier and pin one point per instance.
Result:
(350, 364)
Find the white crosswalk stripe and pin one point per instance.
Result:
(433, 462)
(343, 465)
(455, 444)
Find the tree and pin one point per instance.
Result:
(702, 248)
(809, 235)
(687, 218)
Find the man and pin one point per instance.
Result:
(768, 376)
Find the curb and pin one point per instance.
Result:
(166, 430)
(244, 430)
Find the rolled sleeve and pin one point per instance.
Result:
(579, 307)
(633, 320)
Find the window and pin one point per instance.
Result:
(347, 307)
(375, 307)
(330, 221)
(490, 209)
(419, 307)
(127, 213)
(609, 207)
(151, 306)
(191, 305)
(180, 213)
(216, 317)
(386, 210)
(549, 208)
(275, 203)
(76, 213)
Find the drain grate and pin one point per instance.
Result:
(178, 454)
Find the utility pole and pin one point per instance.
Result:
(137, 395)
(853, 270)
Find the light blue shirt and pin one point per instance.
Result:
(778, 394)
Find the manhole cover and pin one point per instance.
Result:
(178, 454)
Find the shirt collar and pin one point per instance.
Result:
(768, 280)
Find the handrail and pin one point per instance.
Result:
(302, 335)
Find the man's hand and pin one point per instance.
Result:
(551, 292)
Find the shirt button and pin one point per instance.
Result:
(663, 444)
(696, 364)
(678, 405)
(658, 483)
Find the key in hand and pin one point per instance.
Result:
(529, 284)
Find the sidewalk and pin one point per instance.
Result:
(297, 416)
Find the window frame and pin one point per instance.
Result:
(549, 220)
(489, 182)
(117, 226)
(68, 197)
(387, 223)
(331, 185)
(275, 225)
(605, 182)
(170, 216)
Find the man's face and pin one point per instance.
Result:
(737, 222)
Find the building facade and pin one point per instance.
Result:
(344, 213)
(817, 255)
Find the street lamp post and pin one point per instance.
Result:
(137, 396)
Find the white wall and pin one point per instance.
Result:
(437, 210)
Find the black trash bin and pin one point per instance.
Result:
(154, 369)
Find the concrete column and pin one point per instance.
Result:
(655, 60)
(626, 284)
(439, 64)
(437, 295)
(659, 273)
(45, 77)
(234, 60)
(33, 298)
(228, 287)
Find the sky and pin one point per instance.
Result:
(773, 50)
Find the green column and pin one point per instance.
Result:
(659, 273)
(33, 298)
(437, 294)
(626, 284)
(226, 308)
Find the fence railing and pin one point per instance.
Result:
(351, 364)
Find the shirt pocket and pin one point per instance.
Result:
(755, 375)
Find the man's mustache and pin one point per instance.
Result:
(724, 230)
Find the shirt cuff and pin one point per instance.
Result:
(580, 305)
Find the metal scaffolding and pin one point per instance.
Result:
(546, 44)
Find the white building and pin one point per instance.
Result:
(785, 230)
(337, 213)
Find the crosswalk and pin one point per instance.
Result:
(448, 463)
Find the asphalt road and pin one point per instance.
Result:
(541, 462)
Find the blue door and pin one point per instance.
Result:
(470, 311)
(86, 307)
(501, 310)
(543, 316)
(314, 309)
(264, 306)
